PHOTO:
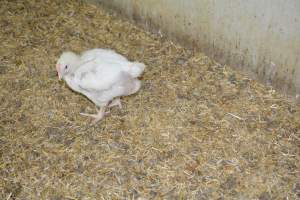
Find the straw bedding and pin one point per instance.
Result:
(196, 130)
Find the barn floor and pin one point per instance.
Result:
(196, 130)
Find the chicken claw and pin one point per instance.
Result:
(97, 117)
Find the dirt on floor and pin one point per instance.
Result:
(196, 130)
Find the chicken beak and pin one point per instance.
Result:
(58, 71)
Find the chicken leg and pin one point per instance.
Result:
(97, 117)
(101, 113)
(115, 102)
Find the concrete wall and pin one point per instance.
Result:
(259, 37)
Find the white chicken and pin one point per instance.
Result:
(102, 75)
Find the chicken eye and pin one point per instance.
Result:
(66, 67)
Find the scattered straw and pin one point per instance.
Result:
(172, 140)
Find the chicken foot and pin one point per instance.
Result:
(101, 112)
(115, 102)
(97, 117)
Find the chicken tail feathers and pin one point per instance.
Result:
(136, 69)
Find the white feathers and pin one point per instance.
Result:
(135, 69)
(100, 74)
